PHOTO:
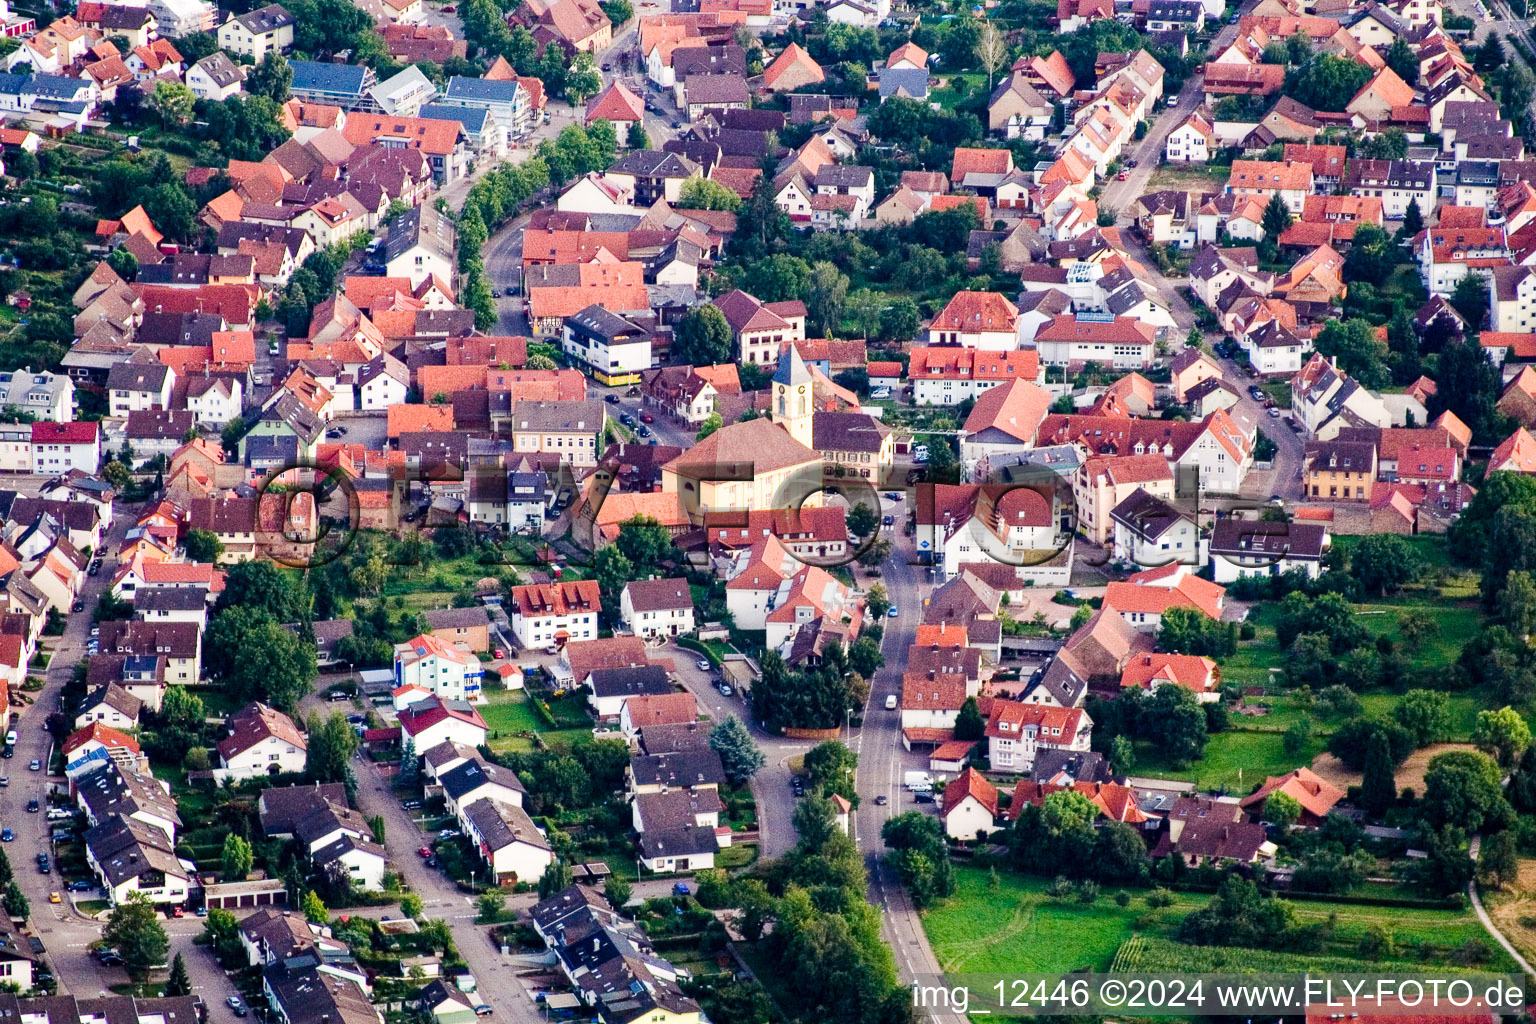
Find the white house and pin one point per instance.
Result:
(1017, 732)
(438, 668)
(1150, 532)
(429, 722)
(508, 840)
(553, 614)
(969, 811)
(57, 448)
(476, 779)
(657, 607)
(215, 78)
(265, 30)
(1192, 141)
(111, 705)
(1241, 548)
(984, 320)
(214, 401)
(261, 740)
(128, 856)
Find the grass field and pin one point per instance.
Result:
(1235, 760)
(1017, 928)
(509, 712)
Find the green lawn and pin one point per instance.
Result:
(1236, 760)
(1279, 390)
(507, 714)
(1016, 928)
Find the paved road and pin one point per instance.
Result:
(495, 974)
(771, 786)
(882, 759)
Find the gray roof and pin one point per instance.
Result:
(113, 790)
(633, 681)
(844, 176)
(455, 618)
(465, 778)
(586, 415)
(707, 89)
(651, 163)
(500, 825)
(686, 768)
(1276, 540)
(170, 599)
(281, 808)
(334, 79)
(682, 841)
(479, 91)
(137, 377)
(266, 19)
(422, 225)
(124, 849)
(1147, 515)
(472, 118)
(600, 323)
(911, 81)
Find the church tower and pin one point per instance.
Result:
(792, 397)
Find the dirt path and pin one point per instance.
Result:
(1410, 774)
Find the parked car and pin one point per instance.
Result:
(887, 520)
(7, 836)
(892, 612)
(882, 800)
(482, 1010)
(726, 690)
(81, 886)
(234, 1002)
(43, 867)
(923, 797)
(646, 417)
(77, 607)
(892, 702)
(611, 399)
(32, 805)
(680, 889)
(5, 780)
(880, 394)
(703, 665)
(498, 653)
(424, 852)
(35, 766)
(448, 833)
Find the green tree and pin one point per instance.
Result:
(706, 194)
(1502, 734)
(1297, 737)
(1415, 626)
(1462, 789)
(862, 520)
(830, 767)
(122, 262)
(815, 820)
(1413, 219)
(15, 902)
(618, 891)
(223, 934)
(825, 292)
(711, 423)
(969, 723)
(557, 877)
(411, 905)
(1122, 755)
(203, 546)
(1178, 724)
(865, 657)
(779, 278)
(272, 78)
(1517, 604)
(739, 753)
(261, 585)
(644, 541)
(1403, 62)
(612, 569)
(1327, 82)
(237, 859)
(134, 930)
(1497, 862)
(703, 337)
(1384, 563)
(172, 103)
(1277, 217)
(1359, 352)
(490, 906)
(876, 601)
(314, 909)
(1282, 809)
(583, 79)
(1425, 714)
(255, 658)
(1378, 789)
(180, 981)
(637, 139)
(1470, 297)
(331, 744)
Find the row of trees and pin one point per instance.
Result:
(819, 698)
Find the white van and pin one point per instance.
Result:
(891, 702)
(10, 738)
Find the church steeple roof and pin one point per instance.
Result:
(792, 369)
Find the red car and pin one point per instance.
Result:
(646, 417)
(450, 9)
(425, 851)
(499, 653)
(1122, 176)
